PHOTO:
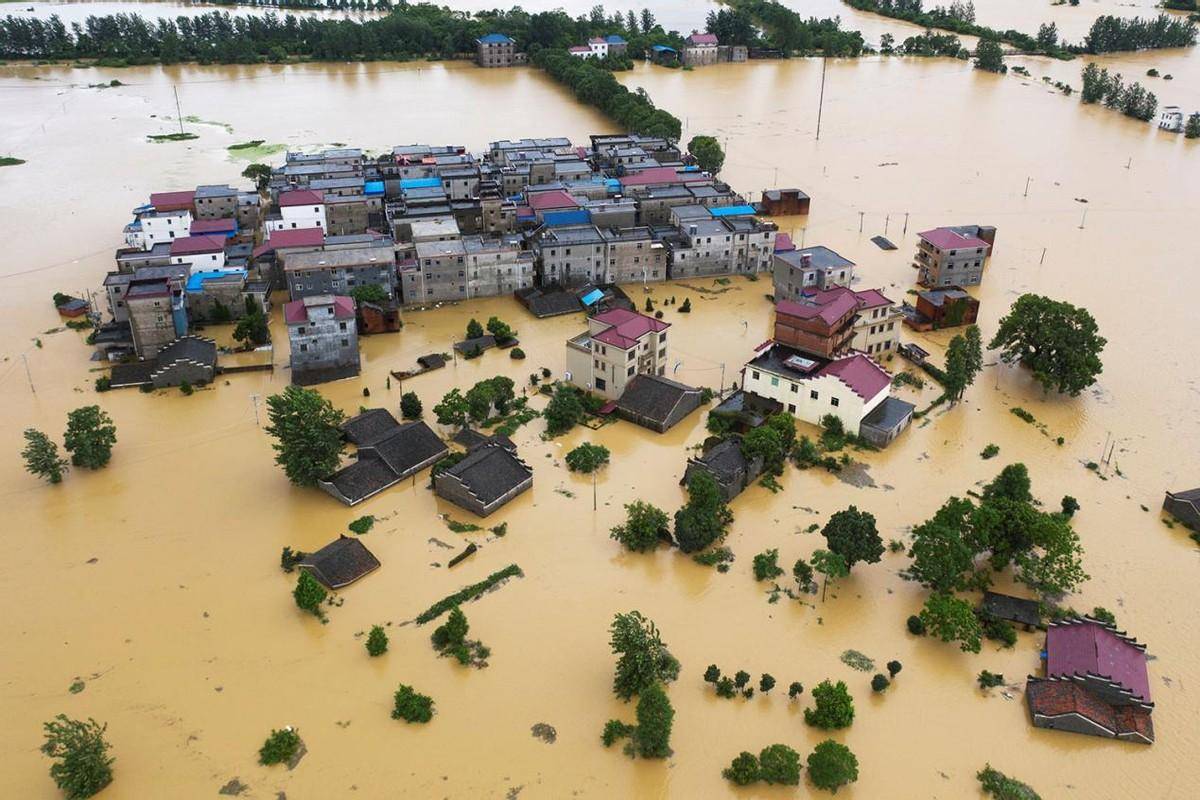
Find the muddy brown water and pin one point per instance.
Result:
(184, 630)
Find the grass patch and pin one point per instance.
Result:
(172, 137)
(467, 593)
(461, 527)
(255, 150)
(246, 145)
(998, 785)
(362, 524)
(858, 661)
(1023, 414)
(9, 161)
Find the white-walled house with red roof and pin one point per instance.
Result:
(300, 208)
(324, 338)
(617, 346)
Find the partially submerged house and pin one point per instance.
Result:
(657, 403)
(388, 452)
(727, 464)
(886, 421)
(948, 307)
(954, 256)
(1185, 507)
(490, 475)
(1096, 683)
(1012, 609)
(341, 562)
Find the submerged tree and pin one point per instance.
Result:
(952, 619)
(90, 437)
(308, 435)
(830, 565)
(1060, 343)
(643, 659)
(831, 766)
(654, 716)
(707, 152)
(834, 706)
(705, 518)
(41, 456)
(309, 594)
(853, 536)
(645, 525)
(82, 766)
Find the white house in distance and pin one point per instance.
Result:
(201, 252)
(599, 47)
(1171, 119)
(300, 208)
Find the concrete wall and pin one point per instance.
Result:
(797, 397)
(323, 344)
(342, 280)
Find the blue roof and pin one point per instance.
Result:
(575, 216)
(421, 183)
(614, 39)
(495, 38)
(662, 48)
(196, 279)
(733, 211)
(594, 296)
(373, 187)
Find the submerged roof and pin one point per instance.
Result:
(490, 471)
(655, 397)
(1090, 647)
(1050, 699)
(951, 239)
(341, 562)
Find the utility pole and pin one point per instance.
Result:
(860, 221)
(28, 374)
(1027, 180)
(905, 222)
(593, 490)
(254, 400)
(1083, 220)
(887, 219)
(722, 380)
(178, 110)
(1043, 258)
(821, 102)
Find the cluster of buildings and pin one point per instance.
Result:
(601, 47)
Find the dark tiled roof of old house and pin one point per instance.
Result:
(409, 446)
(369, 427)
(655, 398)
(1013, 609)
(363, 478)
(490, 471)
(725, 460)
(341, 562)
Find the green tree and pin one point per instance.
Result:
(764, 442)
(452, 410)
(474, 329)
(645, 525)
(41, 456)
(832, 766)
(834, 706)
(90, 437)
(852, 535)
(642, 658)
(587, 458)
(279, 747)
(1012, 483)
(952, 620)
(783, 424)
(82, 766)
(779, 764)
(654, 717)
(412, 706)
(377, 641)
(369, 293)
(500, 330)
(452, 633)
(1047, 36)
(253, 328)
(766, 565)
(998, 785)
(707, 152)
(830, 565)
(1054, 565)
(743, 771)
(705, 518)
(1060, 343)
(894, 667)
(989, 55)
(879, 682)
(1191, 128)
(766, 683)
(564, 411)
(410, 406)
(803, 573)
(964, 360)
(941, 554)
(308, 437)
(260, 174)
(309, 594)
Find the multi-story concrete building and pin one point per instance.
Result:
(495, 50)
(151, 227)
(116, 284)
(157, 315)
(798, 271)
(572, 255)
(870, 319)
(216, 202)
(346, 214)
(953, 256)
(339, 270)
(201, 252)
(437, 274)
(323, 338)
(300, 208)
(632, 255)
(617, 346)
(497, 265)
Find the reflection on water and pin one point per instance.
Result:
(183, 628)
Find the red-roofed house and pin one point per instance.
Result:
(617, 346)
(661, 176)
(953, 256)
(202, 252)
(580, 51)
(700, 49)
(875, 329)
(305, 238)
(323, 338)
(553, 200)
(823, 328)
(1096, 683)
(173, 201)
(300, 208)
(213, 227)
(784, 243)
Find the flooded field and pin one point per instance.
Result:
(156, 580)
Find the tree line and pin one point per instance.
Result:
(1134, 100)
(407, 32)
(783, 29)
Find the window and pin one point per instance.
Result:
(632, 353)
(600, 384)
(342, 326)
(813, 395)
(774, 381)
(345, 342)
(833, 401)
(791, 408)
(303, 348)
(795, 388)
(299, 330)
(662, 353)
(754, 374)
(629, 372)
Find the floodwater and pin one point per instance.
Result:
(156, 580)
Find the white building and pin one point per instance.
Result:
(1171, 119)
(598, 46)
(580, 51)
(151, 227)
(302, 208)
(808, 387)
(200, 252)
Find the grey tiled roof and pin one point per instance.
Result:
(341, 562)
(490, 471)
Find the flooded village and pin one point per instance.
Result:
(467, 274)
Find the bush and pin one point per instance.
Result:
(741, 678)
(289, 558)
(894, 667)
(766, 683)
(991, 451)
(916, 625)
(615, 730)
(103, 383)
(725, 688)
(655, 717)
(644, 526)
(989, 679)
(81, 765)
(410, 406)
(516, 354)
(309, 594)
(779, 764)
(879, 682)
(474, 329)
(686, 308)
(712, 674)
(832, 766)
(362, 524)
(999, 630)
(411, 706)
(279, 747)
(795, 690)
(834, 706)
(743, 771)
(377, 641)
(1069, 506)
(1002, 787)
(766, 565)
(1104, 615)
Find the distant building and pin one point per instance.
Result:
(200, 252)
(700, 49)
(580, 51)
(617, 46)
(953, 256)
(947, 307)
(1171, 119)
(728, 466)
(617, 346)
(1185, 507)
(495, 50)
(488, 477)
(379, 317)
(796, 271)
(784, 202)
(338, 270)
(1096, 683)
(323, 337)
(216, 202)
(301, 208)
